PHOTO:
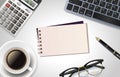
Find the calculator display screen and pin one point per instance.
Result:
(30, 3)
(2, 2)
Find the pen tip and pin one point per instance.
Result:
(97, 38)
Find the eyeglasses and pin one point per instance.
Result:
(93, 68)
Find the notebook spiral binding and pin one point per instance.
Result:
(39, 41)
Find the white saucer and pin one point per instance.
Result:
(20, 44)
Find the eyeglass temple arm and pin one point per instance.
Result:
(70, 72)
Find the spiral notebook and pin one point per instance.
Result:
(62, 39)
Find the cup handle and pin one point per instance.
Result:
(30, 69)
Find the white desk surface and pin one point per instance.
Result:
(51, 12)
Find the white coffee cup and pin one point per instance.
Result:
(17, 60)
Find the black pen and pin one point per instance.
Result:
(109, 48)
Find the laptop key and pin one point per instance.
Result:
(109, 1)
(119, 10)
(97, 8)
(115, 14)
(103, 11)
(69, 6)
(90, 1)
(91, 7)
(109, 13)
(85, 4)
(82, 10)
(114, 8)
(115, 1)
(77, 2)
(88, 13)
(119, 3)
(108, 6)
(75, 9)
(106, 19)
(96, 2)
(102, 3)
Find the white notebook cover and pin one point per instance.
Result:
(61, 40)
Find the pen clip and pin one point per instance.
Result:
(117, 54)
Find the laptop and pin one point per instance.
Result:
(103, 10)
(13, 15)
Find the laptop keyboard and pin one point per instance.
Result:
(12, 17)
(105, 10)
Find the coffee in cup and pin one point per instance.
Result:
(17, 61)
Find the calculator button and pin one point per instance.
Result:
(17, 18)
(2, 11)
(7, 5)
(15, 11)
(10, 26)
(21, 21)
(5, 24)
(26, 14)
(5, 8)
(23, 17)
(9, 11)
(10, 2)
(14, 21)
(11, 8)
(13, 31)
(10, 18)
(19, 14)
(0, 15)
(7, 21)
(3, 18)
(19, 24)
(18, 8)
(14, 5)
(6, 15)
(22, 11)
(16, 28)
(13, 14)
(1, 21)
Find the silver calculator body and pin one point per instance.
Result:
(13, 16)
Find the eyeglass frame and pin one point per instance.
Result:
(85, 67)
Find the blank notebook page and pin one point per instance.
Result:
(68, 39)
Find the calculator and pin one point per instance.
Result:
(15, 13)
